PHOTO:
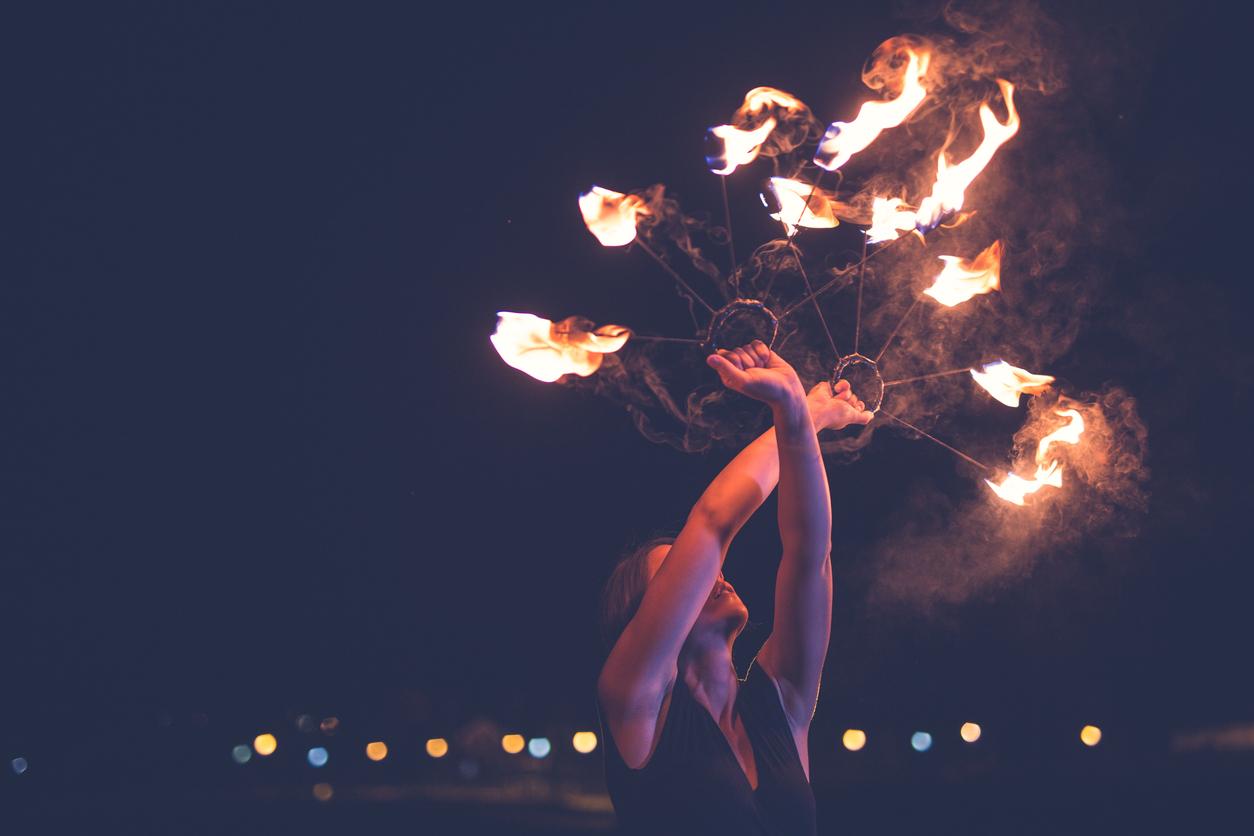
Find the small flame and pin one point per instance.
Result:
(1015, 488)
(611, 216)
(962, 278)
(740, 142)
(547, 350)
(1006, 383)
(949, 190)
(791, 198)
(844, 139)
(889, 216)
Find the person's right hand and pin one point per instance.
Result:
(833, 409)
(757, 372)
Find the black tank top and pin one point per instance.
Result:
(693, 783)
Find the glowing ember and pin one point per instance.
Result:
(889, 217)
(547, 350)
(790, 203)
(611, 216)
(844, 139)
(961, 279)
(949, 190)
(1015, 488)
(1006, 382)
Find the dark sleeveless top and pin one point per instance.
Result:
(693, 783)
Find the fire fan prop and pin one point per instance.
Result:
(774, 125)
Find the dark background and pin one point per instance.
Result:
(260, 459)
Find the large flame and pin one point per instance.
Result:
(1048, 472)
(844, 139)
(889, 217)
(740, 142)
(547, 350)
(1006, 382)
(820, 212)
(949, 190)
(962, 278)
(611, 216)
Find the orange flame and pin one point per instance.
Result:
(743, 139)
(547, 350)
(844, 139)
(1006, 383)
(888, 219)
(1015, 488)
(949, 190)
(962, 278)
(611, 216)
(790, 195)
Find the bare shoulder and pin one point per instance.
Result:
(635, 722)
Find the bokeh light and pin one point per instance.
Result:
(970, 732)
(329, 725)
(539, 747)
(305, 724)
(513, 743)
(376, 750)
(317, 756)
(19, 765)
(323, 792)
(241, 754)
(265, 744)
(1091, 735)
(854, 739)
(437, 747)
(921, 741)
(584, 742)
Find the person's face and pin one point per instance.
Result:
(723, 608)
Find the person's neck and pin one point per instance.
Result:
(710, 675)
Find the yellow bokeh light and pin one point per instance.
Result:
(513, 743)
(437, 747)
(323, 792)
(376, 750)
(970, 732)
(854, 739)
(1091, 735)
(584, 742)
(265, 744)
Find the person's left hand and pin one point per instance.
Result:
(834, 409)
(759, 373)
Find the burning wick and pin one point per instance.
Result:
(727, 147)
(1048, 472)
(547, 350)
(844, 139)
(611, 216)
(962, 278)
(1006, 382)
(810, 206)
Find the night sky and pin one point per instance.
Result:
(261, 459)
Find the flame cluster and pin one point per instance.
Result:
(737, 144)
(964, 278)
(844, 139)
(611, 216)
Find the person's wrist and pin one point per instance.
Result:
(793, 411)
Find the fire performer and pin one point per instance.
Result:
(690, 746)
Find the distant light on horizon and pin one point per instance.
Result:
(970, 732)
(376, 750)
(241, 754)
(539, 747)
(437, 747)
(584, 742)
(1091, 735)
(265, 744)
(317, 756)
(19, 765)
(853, 739)
(921, 741)
(513, 743)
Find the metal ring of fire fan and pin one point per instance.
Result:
(741, 321)
(864, 378)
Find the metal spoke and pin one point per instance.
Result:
(674, 275)
(888, 383)
(731, 244)
(953, 450)
(900, 323)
